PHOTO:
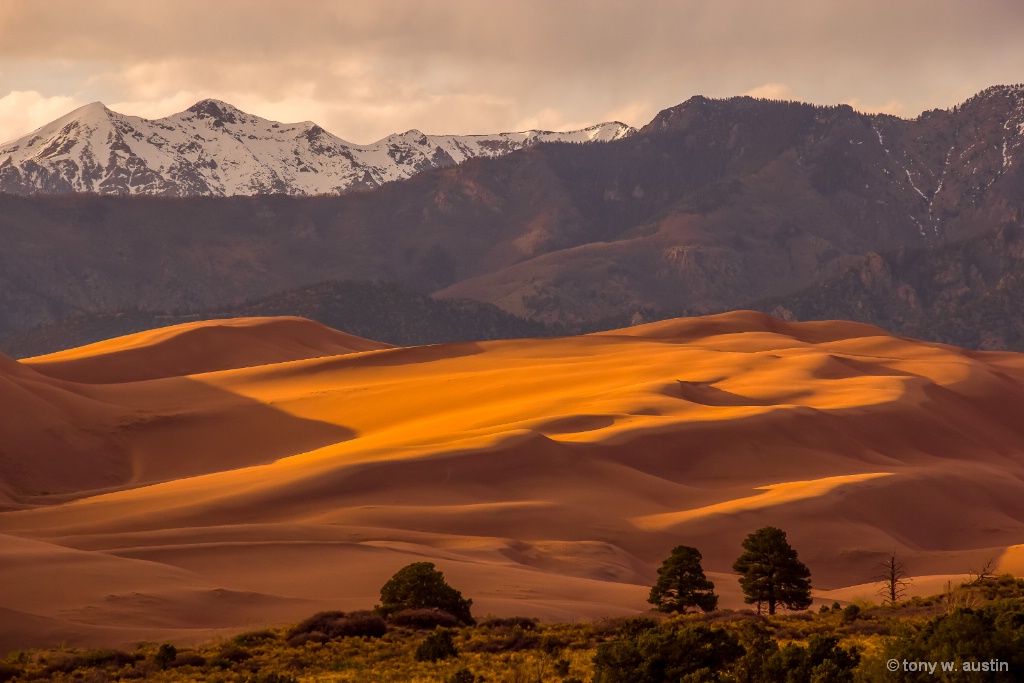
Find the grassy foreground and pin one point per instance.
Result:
(426, 646)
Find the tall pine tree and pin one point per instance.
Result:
(771, 573)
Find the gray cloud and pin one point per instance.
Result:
(364, 68)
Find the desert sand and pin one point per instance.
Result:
(223, 476)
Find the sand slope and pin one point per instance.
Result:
(547, 477)
(193, 348)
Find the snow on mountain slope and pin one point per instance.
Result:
(215, 149)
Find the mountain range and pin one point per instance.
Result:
(800, 210)
(215, 149)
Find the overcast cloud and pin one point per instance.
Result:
(366, 69)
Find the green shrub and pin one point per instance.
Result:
(65, 665)
(300, 639)
(324, 626)
(421, 586)
(272, 678)
(187, 659)
(254, 637)
(821, 660)
(463, 676)
(438, 645)
(424, 619)
(165, 654)
(851, 613)
(994, 632)
(514, 640)
(526, 623)
(669, 653)
(218, 663)
(234, 654)
(562, 668)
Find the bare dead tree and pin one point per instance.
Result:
(894, 580)
(987, 571)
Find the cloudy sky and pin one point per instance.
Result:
(364, 69)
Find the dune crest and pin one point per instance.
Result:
(774, 494)
(543, 476)
(194, 348)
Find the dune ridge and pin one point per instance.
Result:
(546, 476)
(198, 347)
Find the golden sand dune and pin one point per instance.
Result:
(193, 348)
(547, 477)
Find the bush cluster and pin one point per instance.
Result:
(733, 646)
(325, 626)
(424, 619)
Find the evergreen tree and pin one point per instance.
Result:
(421, 586)
(771, 573)
(681, 583)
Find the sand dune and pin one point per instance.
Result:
(546, 477)
(193, 348)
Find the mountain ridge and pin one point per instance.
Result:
(215, 149)
(717, 204)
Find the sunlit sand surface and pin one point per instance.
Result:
(188, 481)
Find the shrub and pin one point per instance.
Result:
(995, 632)
(669, 653)
(463, 676)
(8, 672)
(438, 645)
(235, 654)
(254, 637)
(272, 678)
(115, 658)
(634, 626)
(850, 613)
(552, 644)
(1002, 586)
(821, 660)
(562, 667)
(187, 659)
(90, 659)
(324, 626)
(362, 624)
(526, 623)
(421, 586)
(165, 654)
(218, 663)
(300, 639)
(424, 619)
(65, 665)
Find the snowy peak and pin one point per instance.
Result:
(217, 111)
(214, 148)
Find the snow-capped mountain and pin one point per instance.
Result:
(215, 149)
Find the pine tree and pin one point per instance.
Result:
(681, 583)
(770, 571)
